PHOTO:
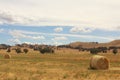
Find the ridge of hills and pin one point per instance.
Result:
(115, 43)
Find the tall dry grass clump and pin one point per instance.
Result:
(7, 56)
(99, 62)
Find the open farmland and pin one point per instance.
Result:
(64, 64)
(59, 39)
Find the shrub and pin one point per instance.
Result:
(94, 50)
(115, 51)
(103, 49)
(46, 50)
(18, 50)
(25, 50)
(35, 48)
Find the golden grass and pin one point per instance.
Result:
(70, 65)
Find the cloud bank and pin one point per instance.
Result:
(18, 35)
(81, 16)
(81, 29)
(78, 26)
(59, 35)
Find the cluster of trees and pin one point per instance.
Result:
(18, 50)
(104, 50)
(44, 49)
(97, 50)
(114, 49)
(50, 49)
(4, 46)
(41, 48)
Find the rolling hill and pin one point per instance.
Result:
(95, 44)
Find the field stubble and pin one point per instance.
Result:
(63, 65)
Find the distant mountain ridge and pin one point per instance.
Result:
(95, 44)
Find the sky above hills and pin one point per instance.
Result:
(59, 21)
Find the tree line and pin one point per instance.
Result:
(51, 49)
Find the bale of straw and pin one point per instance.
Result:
(7, 56)
(99, 62)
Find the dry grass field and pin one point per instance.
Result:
(65, 64)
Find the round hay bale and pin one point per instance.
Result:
(99, 62)
(7, 56)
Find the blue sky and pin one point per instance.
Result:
(58, 22)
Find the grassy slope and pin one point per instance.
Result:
(63, 65)
(93, 44)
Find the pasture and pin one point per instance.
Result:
(65, 64)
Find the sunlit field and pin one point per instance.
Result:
(64, 64)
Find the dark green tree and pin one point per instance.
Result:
(94, 50)
(18, 50)
(25, 51)
(115, 51)
(46, 50)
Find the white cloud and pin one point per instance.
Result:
(1, 30)
(15, 41)
(59, 38)
(81, 29)
(37, 37)
(110, 38)
(6, 18)
(32, 43)
(57, 43)
(28, 42)
(99, 14)
(59, 29)
(17, 34)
